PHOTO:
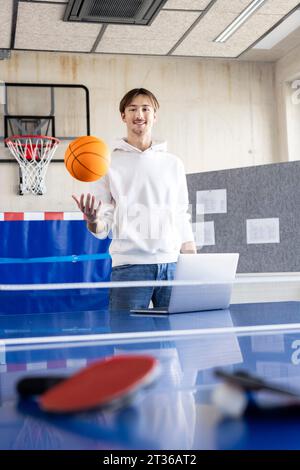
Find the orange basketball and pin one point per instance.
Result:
(87, 158)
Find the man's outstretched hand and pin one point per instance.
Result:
(89, 206)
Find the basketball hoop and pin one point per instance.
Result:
(33, 153)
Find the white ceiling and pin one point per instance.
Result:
(181, 28)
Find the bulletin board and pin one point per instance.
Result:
(260, 192)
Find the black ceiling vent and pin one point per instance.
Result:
(140, 12)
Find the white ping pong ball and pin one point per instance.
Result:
(231, 401)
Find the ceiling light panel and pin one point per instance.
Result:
(200, 41)
(187, 4)
(159, 38)
(240, 20)
(40, 27)
(6, 7)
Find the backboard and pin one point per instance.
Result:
(55, 110)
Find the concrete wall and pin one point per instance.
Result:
(215, 114)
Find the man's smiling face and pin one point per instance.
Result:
(139, 116)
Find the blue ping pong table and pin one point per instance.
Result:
(45, 333)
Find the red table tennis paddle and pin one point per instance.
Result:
(105, 382)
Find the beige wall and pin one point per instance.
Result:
(215, 114)
(288, 70)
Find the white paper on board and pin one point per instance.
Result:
(263, 230)
(204, 233)
(212, 202)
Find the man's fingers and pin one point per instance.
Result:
(87, 206)
(88, 203)
(82, 202)
(92, 205)
(76, 200)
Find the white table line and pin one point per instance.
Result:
(105, 285)
(238, 330)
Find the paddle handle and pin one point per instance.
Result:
(30, 386)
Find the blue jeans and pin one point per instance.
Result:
(126, 298)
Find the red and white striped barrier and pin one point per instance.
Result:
(17, 216)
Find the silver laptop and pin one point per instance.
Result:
(216, 269)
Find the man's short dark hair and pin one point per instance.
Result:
(130, 95)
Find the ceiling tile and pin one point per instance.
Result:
(5, 23)
(200, 41)
(159, 38)
(187, 4)
(40, 27)
(232, 6)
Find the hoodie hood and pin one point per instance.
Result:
(121, 144)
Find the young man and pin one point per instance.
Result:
(144, 201)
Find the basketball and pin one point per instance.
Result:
(87, 158)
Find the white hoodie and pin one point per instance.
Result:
(144, 202)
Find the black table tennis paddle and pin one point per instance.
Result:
(250, 382)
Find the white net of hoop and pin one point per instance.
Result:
(33, 155)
